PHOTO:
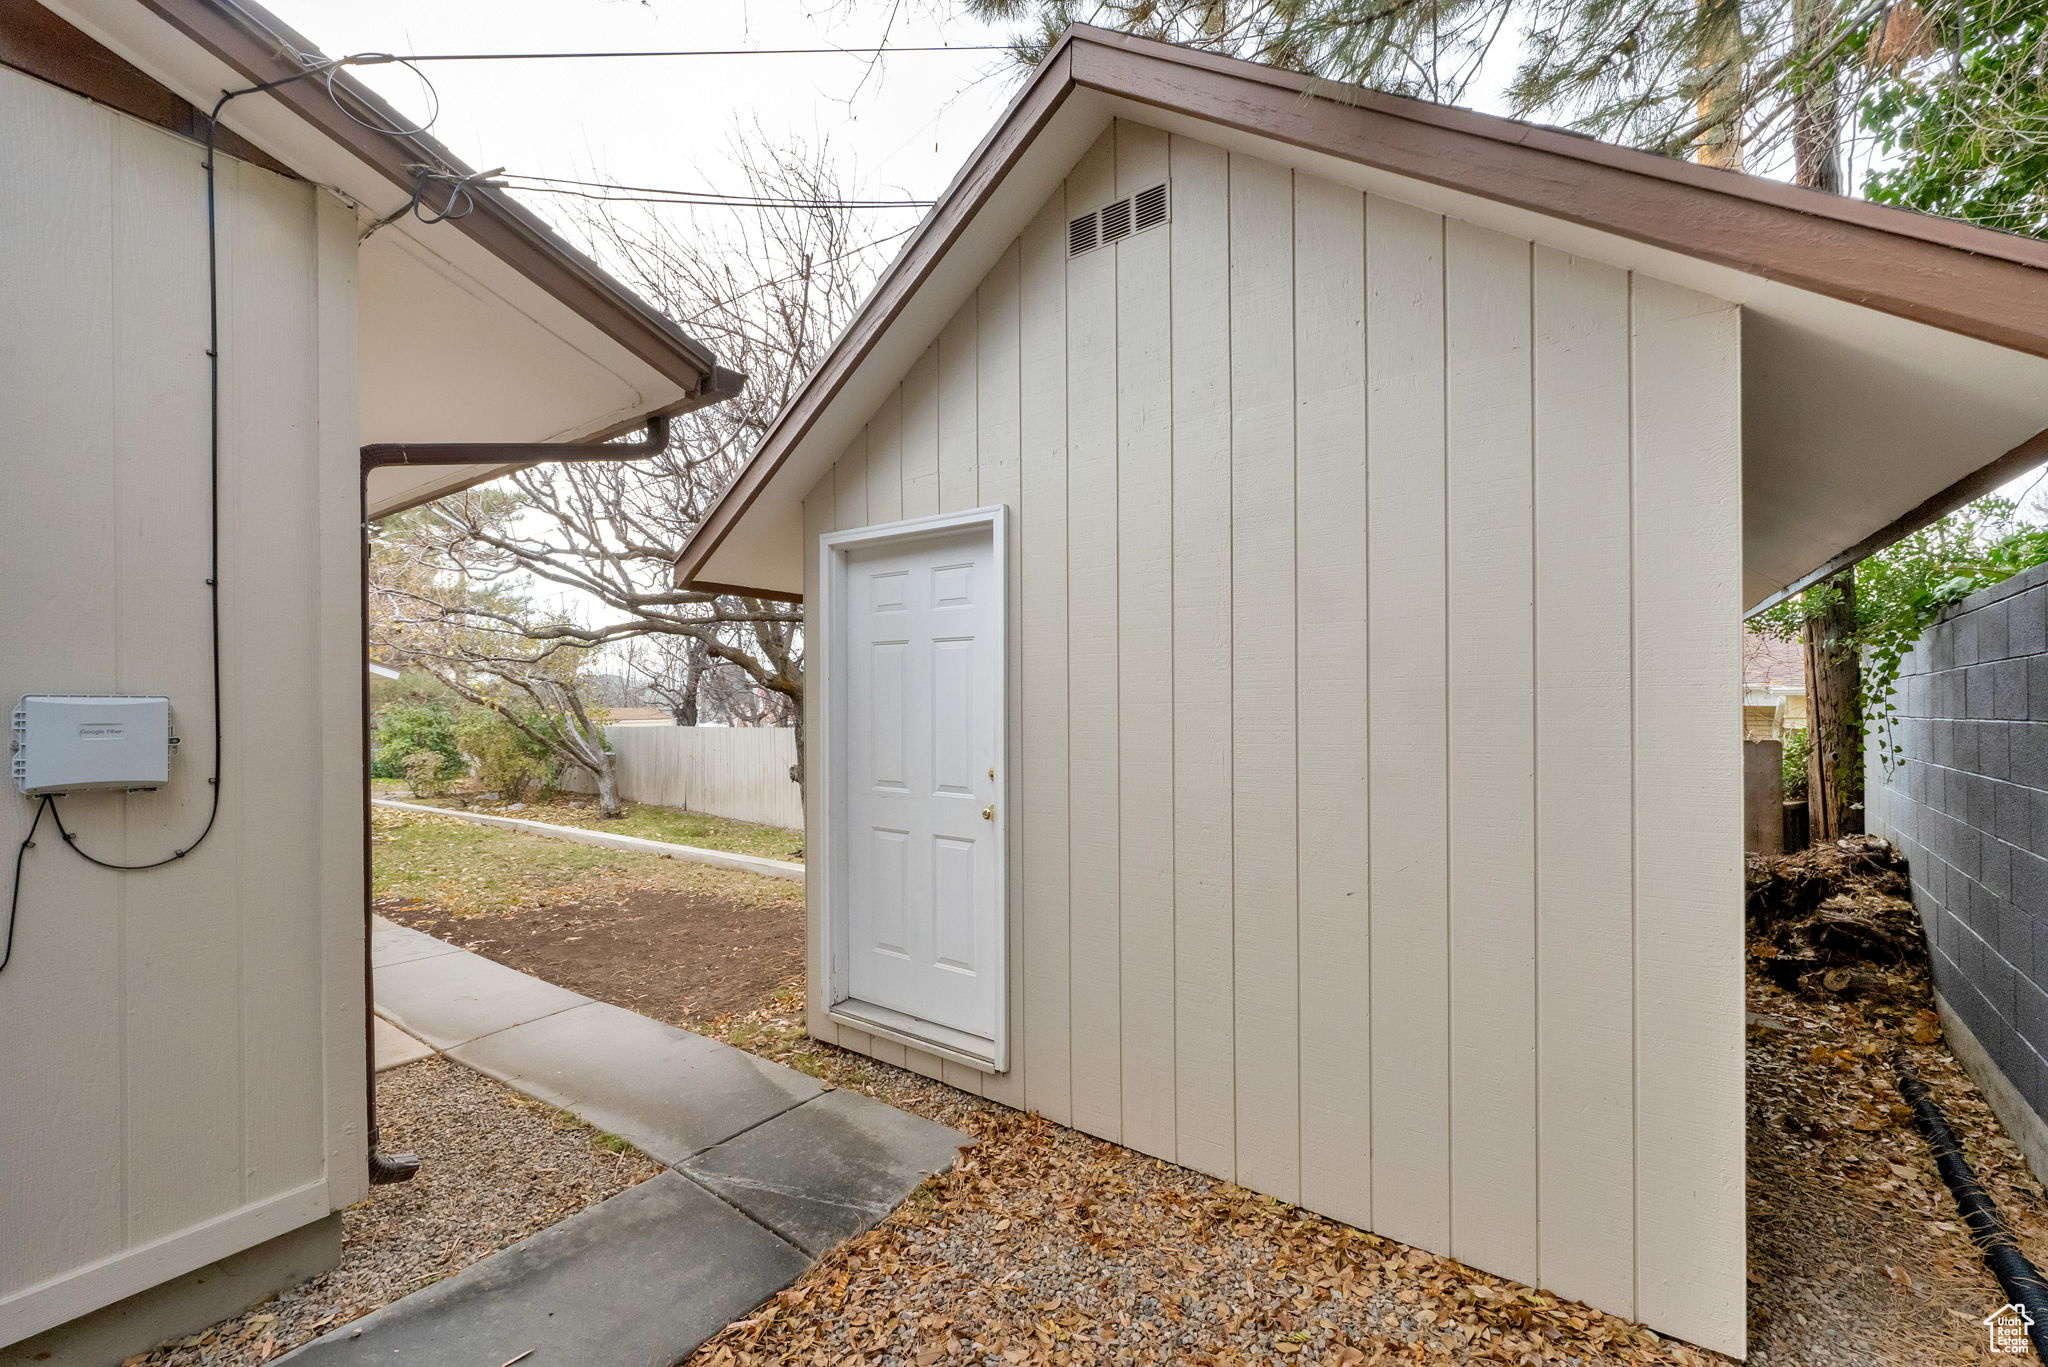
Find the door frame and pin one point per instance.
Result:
(823, 869)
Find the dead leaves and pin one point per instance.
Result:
(1047, 1246)
(1925, 1028)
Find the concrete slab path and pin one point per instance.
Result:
(639, 1281)
(395, 1048)
(674, 1094)
(768, 1169)
(820, 1173)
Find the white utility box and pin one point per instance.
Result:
(76, 744)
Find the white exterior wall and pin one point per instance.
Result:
(181, 1051)
(1376, 822)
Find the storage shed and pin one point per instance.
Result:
(1274, 556)
(182, 1076)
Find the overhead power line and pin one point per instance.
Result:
(654, 194)
(373, 59)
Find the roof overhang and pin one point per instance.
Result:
(484, 328)
(1894, 364)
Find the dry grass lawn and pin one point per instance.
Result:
(463, 869)
(642, 819)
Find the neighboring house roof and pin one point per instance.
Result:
(1768, 662)
(487, 327)
(1894, 365)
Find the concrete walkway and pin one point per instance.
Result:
(767, 1169)
(632, 844)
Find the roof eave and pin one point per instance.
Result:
(261, 48)
(978, 179)
(1955, 277)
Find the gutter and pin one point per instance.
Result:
(719, 383)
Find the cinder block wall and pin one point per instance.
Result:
(1968, 805)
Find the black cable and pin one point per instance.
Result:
(49, 800)
(2016, 1274)
(28, 842)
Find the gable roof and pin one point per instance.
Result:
(488, 327)
(1895, 364)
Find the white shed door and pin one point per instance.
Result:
(918, 834)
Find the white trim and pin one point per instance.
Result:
(820, 857)
(82, 1290)
(905, 1028)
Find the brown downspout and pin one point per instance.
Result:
(721, 383)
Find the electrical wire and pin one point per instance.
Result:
(459, 201)
(49, 800)
(685, 198)
(731, 299)
(885, 50)
(28, 842)
(384, 59)
(714, 197)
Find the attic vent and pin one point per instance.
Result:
(1081, 234)
(1118, 220)
(1151, 208)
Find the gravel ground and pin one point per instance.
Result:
(495, 1167)
(1048, 1246)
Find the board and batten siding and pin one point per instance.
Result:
(183, 1058)
(1377, 831)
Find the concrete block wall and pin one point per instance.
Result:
(1968, 805)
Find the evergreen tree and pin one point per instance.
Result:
(1961, 102)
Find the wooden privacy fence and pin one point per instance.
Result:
(740, 772)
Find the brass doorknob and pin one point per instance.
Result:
(988, 813)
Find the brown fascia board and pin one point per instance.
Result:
(38, 43)
(1030, 111)
(1954, 276)
(260, 47)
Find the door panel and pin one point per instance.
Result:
(923, 658)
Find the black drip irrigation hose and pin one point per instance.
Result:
(1988, 1230)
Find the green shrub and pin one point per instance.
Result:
(408, 728)
(423, 776)
(508, 761)
(1798, 747)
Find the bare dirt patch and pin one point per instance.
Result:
(681, 957)
(495, 1167)
(1857, 1253)
(682, 942)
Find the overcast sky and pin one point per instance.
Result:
(900, 127)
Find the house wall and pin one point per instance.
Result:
(1966, 800)
(180, 1050)
(1376, 811)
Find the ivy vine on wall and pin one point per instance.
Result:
(1903, 589)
